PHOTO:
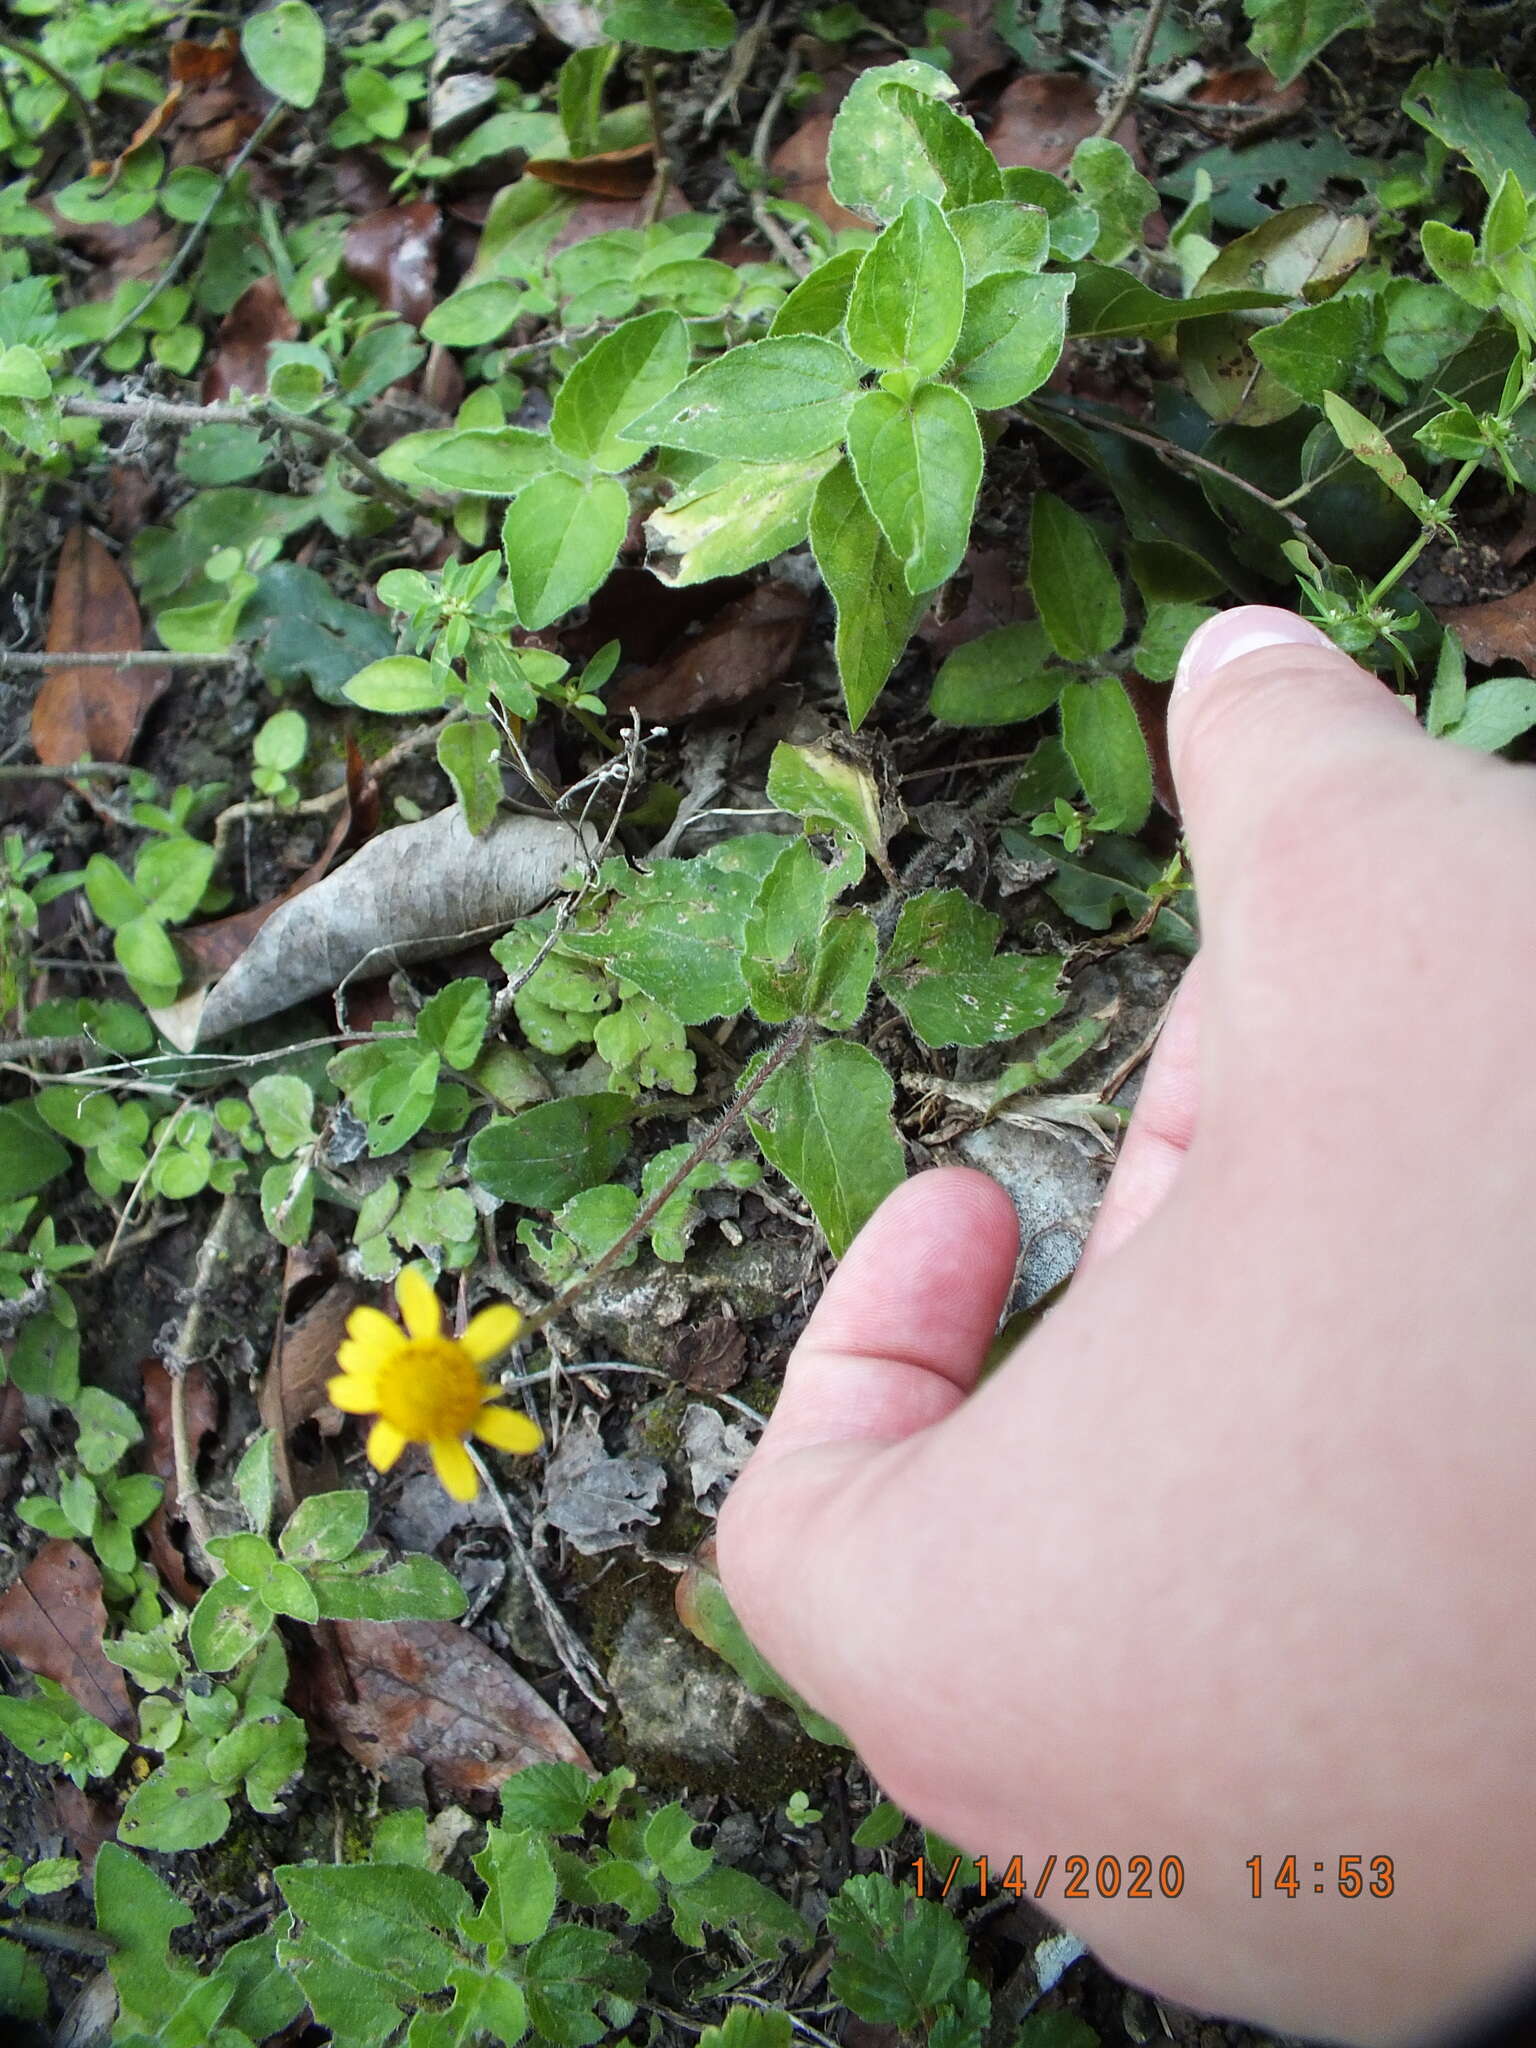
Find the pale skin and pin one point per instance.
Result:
(1234, 1556)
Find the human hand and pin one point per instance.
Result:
(1233, 1557)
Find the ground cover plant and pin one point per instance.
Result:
(588, 594)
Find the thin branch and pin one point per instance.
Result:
(774, 232)
(785, 1049)
(662, 181)
(164, 412)
(84, 119)
(193, 236)
(57, 1935)
(132, 657)
(178, 1361)
(1130, 84)
(577, 1660)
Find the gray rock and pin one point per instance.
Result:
(458, 101)
(1055, 1182)
(631, 1312)
(681, 1704)
(478, 34)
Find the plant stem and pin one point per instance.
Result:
(84, 120)
(164, 412)
(178, 1361)
(1426, 534)
(775, 1058)
(1130, 84)
(663, 178)
(56, 1934)
(134, 657)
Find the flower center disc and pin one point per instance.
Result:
(430, 1388)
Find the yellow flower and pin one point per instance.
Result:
(427, 1388)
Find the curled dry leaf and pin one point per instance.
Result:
(410, 894)
(311, 1325)
(53, 1622)
(1502, 629)
(158, 1457)
(204, 63)
(432, 1691)
(393, 254)
(92, 713)
(751, 644)
(258, 318)
(1251, 93)
(1043, 116)
(597, 1501)
(215, 947)
(614, 174)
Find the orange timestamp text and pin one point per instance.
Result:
(1075, 1877)
(1346, 1877)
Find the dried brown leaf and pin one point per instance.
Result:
(1501, 629)
(292, 1389)
(432, 1691)
(204, 63)
(709, 1356)
(988, 592)
(154, 122)
(1043, 116)
(92, 713)
(975, 47)
(53, 1622)
(745, 648)
(393, 254)
(258, 318)
(201, 1403)
(612, 174)
(1252, 92)
(800, 167)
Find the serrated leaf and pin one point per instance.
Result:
(891, 324)
(824, 1120)
(876, 612)
(1319, 348)
(763, 401)
(1074, 587)
(918, 463)
(898, 1956)
(1011, 339)
(999, 678)
(562, 536)
(733, 516)
(388, 1920)
(544, 1155)
(943, 973)
(1106, 746)
(613, 384)
(519, 1878)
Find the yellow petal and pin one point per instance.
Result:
(385, 1443)
(491, 1331)
(375, 1332)
(354, 1393)
(507, 1430)
(418, 1303)
(454, 1468)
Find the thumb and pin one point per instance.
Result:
(1273, 731)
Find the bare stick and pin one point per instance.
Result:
(164, 412)
(133, 657)
(178, 1361)
(774, 232)
(573, 1653)
(662, 181)
(1130, 84)
(786, 1048)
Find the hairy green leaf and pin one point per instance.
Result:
(918, 462)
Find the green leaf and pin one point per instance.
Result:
(469, 754)
(824, 1120)
(997, 235)
(728, 1898)
(285, 48)
(880, 1826)
(1113, 877)
(1105, 743)
(893, 139)
(485, 2007)
(670, 1846)
(366, 1588)
(1012, 337)
(1368, 444)
(672, 24)
(30, 1157)
(918, 464)
(763, 401)
(822, 787)
(454, 1021)
(476, 313)
(227, 1623)
(399, 683)
(544, 1155)
(256, 1481)
(1475, 111)
(1496, 712)
(1454, 257)
(138, 1912)
(325, 1527)
(733, 516)
(519, 1878)
(625, 375)
(1288, 34)
(387, 1920)
(108, 1427)
(875, 610)
(1117, 192)
(557, 1798)
(562, 537)
(893, 323)
(1108, 302)
(109, 892)
(779, 944)
(304, 634)
(566, 1972)
(676, 931)
(819, 302)
(172, 874)
(23, 373)
(1320, 348)
(285, 1110)
(897, 1956)
(1074, 587)
(490, 462)
(999, 678)
(579, 95)
(941, 973)
(1448, 696)
(1164, 638)
(174, 1809)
